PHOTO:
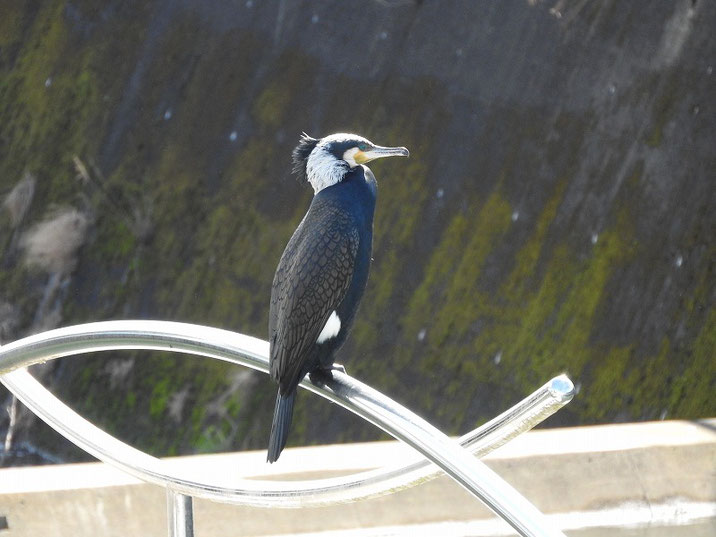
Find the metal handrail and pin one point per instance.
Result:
(343, 390)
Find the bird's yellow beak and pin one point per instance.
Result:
(376, 152)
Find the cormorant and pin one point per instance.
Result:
(323, 271)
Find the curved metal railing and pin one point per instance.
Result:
(438, 452)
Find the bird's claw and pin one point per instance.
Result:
(320, 376)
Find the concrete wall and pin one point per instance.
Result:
(556, 213)
(660, 476)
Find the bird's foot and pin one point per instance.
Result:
(320, 376)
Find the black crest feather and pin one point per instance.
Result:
(300, 155)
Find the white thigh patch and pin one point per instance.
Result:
(333, 326)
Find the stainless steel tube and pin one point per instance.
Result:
(180, 514)
(249, 351)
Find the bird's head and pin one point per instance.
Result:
(325, 161)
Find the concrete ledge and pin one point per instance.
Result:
(630, 475)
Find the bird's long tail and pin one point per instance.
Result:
(282, 414)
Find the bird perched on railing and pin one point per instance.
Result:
(323, 271)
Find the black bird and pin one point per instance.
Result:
(322, 273)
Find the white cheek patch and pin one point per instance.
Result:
(323, 169)
(349, 157)
(333, 326)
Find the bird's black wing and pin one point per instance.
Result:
(311, 280)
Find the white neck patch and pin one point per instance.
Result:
(323, 169)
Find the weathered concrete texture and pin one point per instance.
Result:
(555, 214)
(584, 470)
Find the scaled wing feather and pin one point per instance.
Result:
(312, 279)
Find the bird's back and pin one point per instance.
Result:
(315, 274)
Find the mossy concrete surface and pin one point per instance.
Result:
(556, 213)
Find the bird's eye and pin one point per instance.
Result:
(363, 147)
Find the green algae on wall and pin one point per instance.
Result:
(466, 301)
(694, 388)
(48, 105)
(530, 328)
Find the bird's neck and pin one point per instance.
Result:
(324, 170)
(356, 192)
